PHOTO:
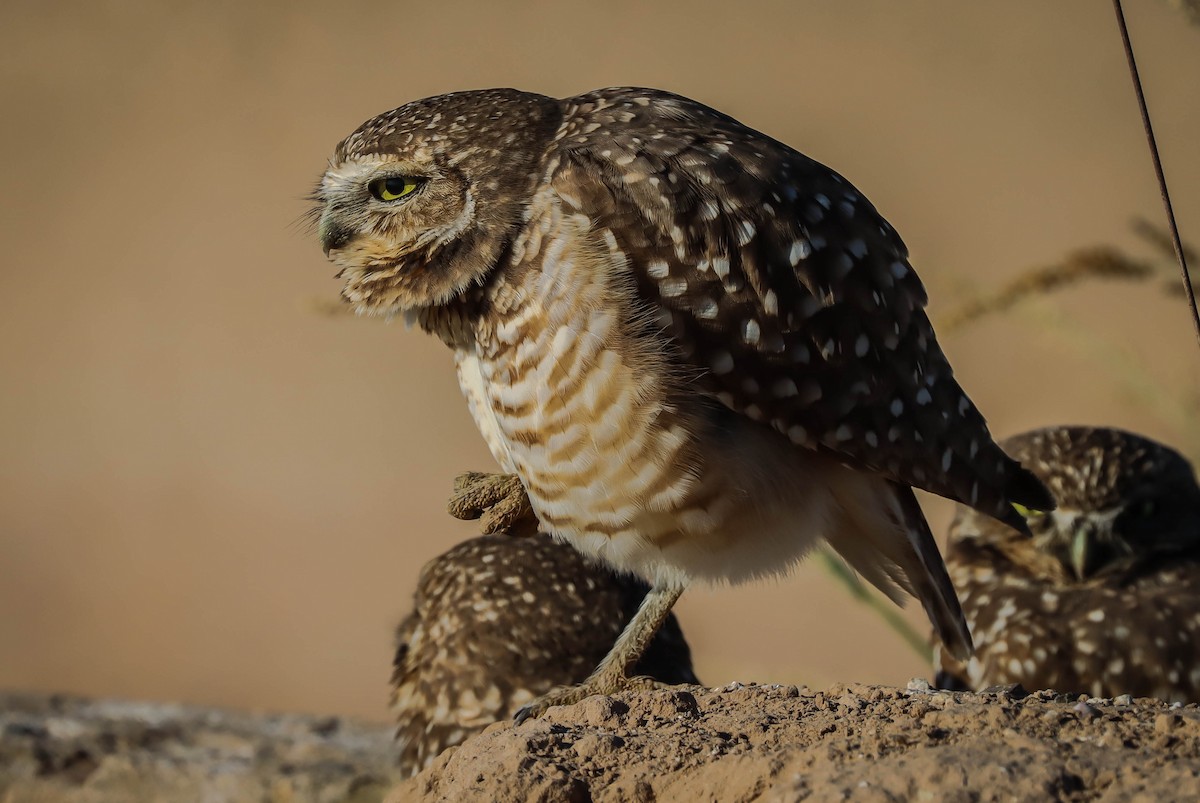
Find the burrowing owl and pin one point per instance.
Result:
(700, 351)
(1105, 598)
(498, 621)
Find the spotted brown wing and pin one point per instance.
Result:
(786, 290)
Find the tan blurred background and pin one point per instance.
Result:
(209, 492)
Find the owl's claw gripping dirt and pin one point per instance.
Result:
(604, 684)
(497, 500)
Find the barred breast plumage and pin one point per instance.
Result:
(618, 454)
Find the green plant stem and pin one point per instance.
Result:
(885, 608)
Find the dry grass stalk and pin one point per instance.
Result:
(1090, 263)
(1189, 8)
(1161, 239)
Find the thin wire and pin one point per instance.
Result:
(1188, 290)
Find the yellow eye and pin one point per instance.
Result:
(1028, 513)
(394, 188)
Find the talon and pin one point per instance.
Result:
(527, 711)
(499, 500)
(606, 685)
(645, 683)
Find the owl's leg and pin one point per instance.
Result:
(498, 500)
(612, 675)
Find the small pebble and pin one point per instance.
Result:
(1013, 691)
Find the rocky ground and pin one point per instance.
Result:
(737, 743)
(58, 748)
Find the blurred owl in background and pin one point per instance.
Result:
(1105, 597)
(499, 620)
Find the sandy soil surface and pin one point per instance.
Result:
(736, 743)
(866, 743)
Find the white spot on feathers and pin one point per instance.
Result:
(746, 232)
(751, 331)
(658, 269)
(673, 287)
(800, 250)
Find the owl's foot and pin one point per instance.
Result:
(610, 677)
(497, 500)
(602, 684)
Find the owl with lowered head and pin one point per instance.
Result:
(699, 352)
(498, 620)
(1105, 597)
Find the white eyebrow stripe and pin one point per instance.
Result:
(351, 172)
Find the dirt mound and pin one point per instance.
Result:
(760, 743)
(741, 743)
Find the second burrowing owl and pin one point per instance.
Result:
(498, 621)
(699, 350)
(1105, 597)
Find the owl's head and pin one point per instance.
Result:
(1122, 498)
(420, 203)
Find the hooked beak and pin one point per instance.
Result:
(333, 235)
(1094, 546)
(1081, 546)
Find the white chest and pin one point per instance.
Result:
(475, 389)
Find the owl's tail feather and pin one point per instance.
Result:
(883, 535)
(930, 578)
